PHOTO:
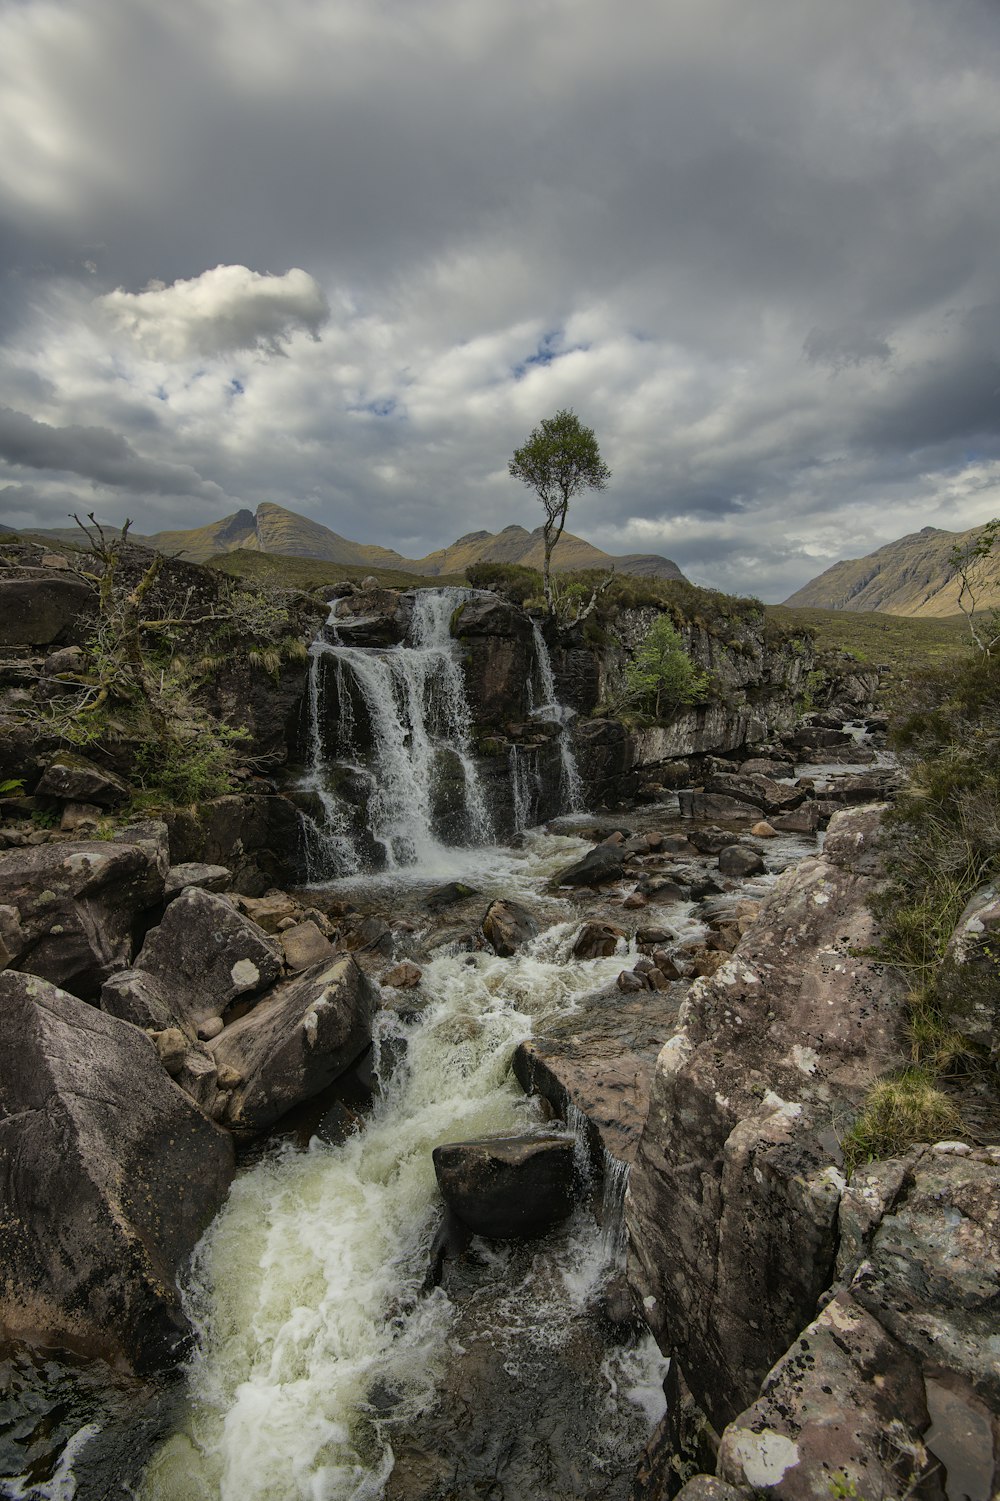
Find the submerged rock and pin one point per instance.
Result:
(108, 1176)
(508, 1187)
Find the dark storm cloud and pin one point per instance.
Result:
(765, 235)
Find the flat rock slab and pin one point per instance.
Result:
(194, 873)
(108, 1176)
(601, 1059)
(295, 1042)
(72, 907)
(508, 1187)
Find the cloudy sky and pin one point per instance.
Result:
(345, 254)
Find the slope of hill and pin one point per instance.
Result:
(909, 577)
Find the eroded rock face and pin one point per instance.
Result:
(108, 1176)
(296, 1041)
(735, 1189)
(72, 908)
(508, 1187)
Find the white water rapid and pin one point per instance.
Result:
(307, 1288)
(549, 708)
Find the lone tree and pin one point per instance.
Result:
(559, 460)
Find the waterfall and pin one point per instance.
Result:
(410, 701)
(327, 846)
(570, 785)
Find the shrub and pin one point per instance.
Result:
(662, 676)
(897, 1113)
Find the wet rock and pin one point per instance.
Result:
(634, 901)
(194, 873)
(816, 737)
(269, 911)
(448, 894)
(716, 805)
(773, 797)
(74, 779)
(507, 926)
(205, 954)
(601, 865)
(764, 830)
(303, 945)
(678, 845)
(255, 835)
(660, 890)
(508, 1187)
(734, 1194)
(629, 981)
(739, 860)
(712, 841)
(766, 766)
(75, 905)
(108, 1176)
(301, 1036)
(597, 940)
(804, 820)
(403, 976)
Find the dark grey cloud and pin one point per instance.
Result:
(756, 245)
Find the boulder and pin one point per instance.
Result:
(144, 1000)
(773, 797)
(508, 1187)
(194, 873)
(764, 830)
(804, 820)
(208, 954)
(734, 1193)
(717, 805)
(403, 976)
(73, 906)
(74, 779)
(604, 863)
(660, 890)
(448, 895)
(507, 926)
(816, 737)
(269, 911)
(44, 611)
(597, 940)
(296, 1041)
(304, 945)
(712, 841)
(739, 861)
(108, 1176)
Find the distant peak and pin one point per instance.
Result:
(508, 531)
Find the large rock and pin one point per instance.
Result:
(694, 804)
(208, 954)
(74, 779)
(497, 658)
(108, 1176)
(73, 907)
(44, 610)
(508, 1187)
(735, 1189)
(762, 791)
(295, 1042)
(507, 926)
(602, 864)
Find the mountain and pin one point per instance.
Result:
(909, 577)
(274, 529)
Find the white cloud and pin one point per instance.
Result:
(223, 310)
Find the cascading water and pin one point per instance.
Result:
(412, 698)
(327, 846)
(549, 708)
(307, 1288)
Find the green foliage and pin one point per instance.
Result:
(195, 764)
(12, 787)
(662, 676)
(897, 1113)
(512, 581)
(974, 564)
(560, 460)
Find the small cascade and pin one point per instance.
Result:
(403, 725)
(526, 787)
(614, 1233)
(327, 846)
(548, 708)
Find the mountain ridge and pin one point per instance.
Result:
(911, 576)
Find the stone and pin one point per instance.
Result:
(108, 1177)
(403, 976)
(171, 1046)
(79, 817)
(448, 894)
(712, 841)
(210, 1027)
(628, 981)
(603, 864)
(44, 611)
(804, 820)
(508, 1187)
(716, 805)
(507, 926)
(765, 766)
(816, 737)
(74, 779)
(66, 659)
(53, 560)
(194, 873)
(739, 861)
(295, 1042)
(208, 954)
(304, 945)
(660, 890)
(764, 830)
(773, 797)
(75, 906)
(270, 910)
(734, 1193)
(597, 940)
(634, 901)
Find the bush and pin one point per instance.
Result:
(511, 581)
(662, 676)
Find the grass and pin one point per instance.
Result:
(897, 1113)
(906, 645)
(313, 573)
